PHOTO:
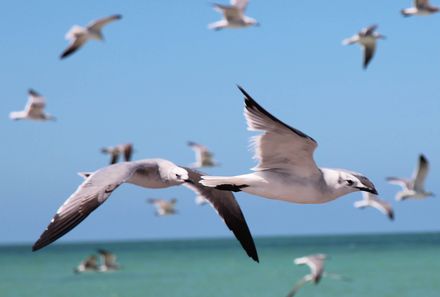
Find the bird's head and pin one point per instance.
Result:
(178, 174)
(352, 182)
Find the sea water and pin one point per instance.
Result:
(391, 265)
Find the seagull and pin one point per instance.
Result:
(89, 264)
(367, 39)
(286, 169)
(316, 265)
(414, 187)
(148, 173)
(34, 109)
(204, 158)
(78, 35)
(420, 7)
(121, 149)
(108, 261)
(370, 200)
(164, 207)
(233, 16)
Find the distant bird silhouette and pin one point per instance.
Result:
(108, 261)
(421, 8)
(233, 16)
(204, 158)
(366, 38)
(371, 200)
(414, 187)
(34, 109)
(164, 207)
(78, 35)
(89, 264)
(122, 149)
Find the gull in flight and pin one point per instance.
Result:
(420, 7)
(78, 35)
(123, 149)
(367, 40)
(108, 261)
(316, 264)
(286, 169)
(34, 109)
(148, 173)
(371, 200)
(89, 264)
(164, 207)
(204, 158)
(233, 16)
(414, 187)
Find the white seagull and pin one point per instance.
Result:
(233, 16)
(204, 158)
(89, 264)
(367, 40)
(164, 207)
(122, 149)
(371, 200)
(34, 109)
(316, 264)
(78, 35)
(108, 260)
(414, 187)
(286, 169)
(148, 173)
(420, 7)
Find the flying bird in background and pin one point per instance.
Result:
(371, 200)
(78, 35)
(233, 16)
(125, 150)
(88, 265)
(108, 261)
(414, 187)
(366, 38)
(204, 158)
(34, 109)
(421, 8)
(164, 207)
(148, 173)
(286, 169)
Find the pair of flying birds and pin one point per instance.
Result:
(286, 171)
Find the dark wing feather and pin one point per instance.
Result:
(227, 207)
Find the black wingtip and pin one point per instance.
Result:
(423, 158)
(391, 216)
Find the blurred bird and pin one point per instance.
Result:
(367, 40)
(122, 149)
(233, 16)
(316, 264)
(89, 264)
(78, 35)
(149, 173)
(164, 207)
(34, 109)
(370, 200)
(108, 260)
(204, 158)
(414, 187)
(420, 7)
(286, 169)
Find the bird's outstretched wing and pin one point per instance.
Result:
(89, 195)
(280, 147)
(36, 103)
(98, 24)
(241, 4)
(76, 43)
(227, 208)
(299, 284)
(420, 174)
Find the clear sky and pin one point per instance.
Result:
(162, 78)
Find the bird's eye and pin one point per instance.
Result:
(178, 176)
(350, 182)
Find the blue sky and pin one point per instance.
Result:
(162, 78)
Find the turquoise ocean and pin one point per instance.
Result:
(391, 265)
